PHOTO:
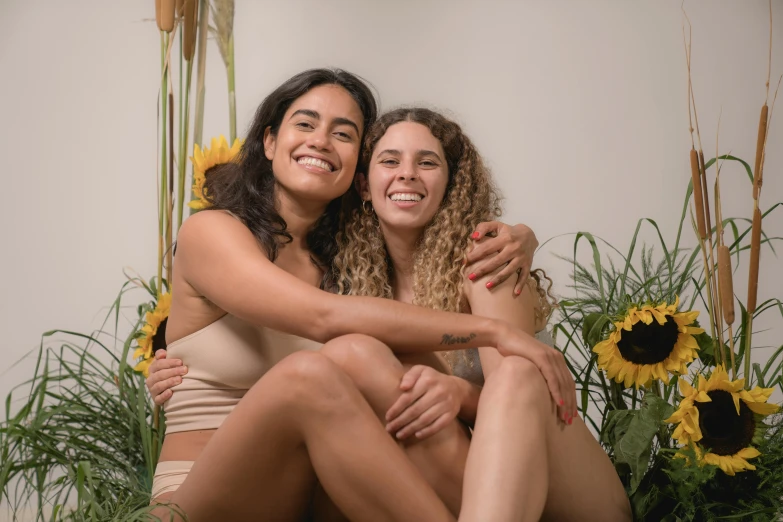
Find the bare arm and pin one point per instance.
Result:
(519, 312)
(220, 259)
(469, 398)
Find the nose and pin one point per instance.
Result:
(407, 172)
(319, 139)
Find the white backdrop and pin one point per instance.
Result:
(579, 107)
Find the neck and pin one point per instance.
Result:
(300, 216)
(401, 246)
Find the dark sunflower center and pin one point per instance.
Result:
(159, 339)
(723, 431)
(649, 343)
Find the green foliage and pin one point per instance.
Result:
(629, 421)
(79, 445)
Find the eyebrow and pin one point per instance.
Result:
(336, 121)
(420, 152)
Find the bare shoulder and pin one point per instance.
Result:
(209, 223)
(501, 303)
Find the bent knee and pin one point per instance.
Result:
(306, 375)
(357, 353)
(519, 377)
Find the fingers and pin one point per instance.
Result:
(160, 364)
(567, 387)
(553, 382)
(160, 354)
(161, 399)
(440, 423)
(520, 284)
(411, 376)
(482, 250)
(167, 379)
(423, 421)
(414, 409)
(509, 270)
(488, 227)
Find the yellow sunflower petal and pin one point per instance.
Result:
(762, 408)
(144, 366)
(644, 374)
(660, 317)
(686, 390)
(748, 453)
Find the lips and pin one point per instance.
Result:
(313, 161)
(414, 197)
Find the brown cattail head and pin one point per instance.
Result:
(191, 29)
(726, 284)
(164, 14)
(707, 221)
(757, 173)
(755, 251)
(698, 197)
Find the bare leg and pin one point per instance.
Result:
(525, 464)
(304, 419)
(377, 373)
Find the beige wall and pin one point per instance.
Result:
(578, 106)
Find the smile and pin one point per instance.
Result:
(406, 196)
(315, 162)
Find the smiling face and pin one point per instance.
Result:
(407, 177)
(315, 151)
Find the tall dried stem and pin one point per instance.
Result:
(755, 236)
(223, 14)
(201, 67)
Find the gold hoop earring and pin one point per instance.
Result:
(364, 207)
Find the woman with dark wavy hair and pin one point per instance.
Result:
(261, 415)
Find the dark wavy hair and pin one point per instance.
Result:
(247, 188)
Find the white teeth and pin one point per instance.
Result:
(307, 160)
(405, 197)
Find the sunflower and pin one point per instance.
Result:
(205, 159)
(647, 342)
(723, 418)
(152, 335)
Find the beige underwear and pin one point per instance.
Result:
(169, 476)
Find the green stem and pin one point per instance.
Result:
(201, 66)
(716, 350)
(183, 148)
(164, 38)
(748, 332)
(232, 102)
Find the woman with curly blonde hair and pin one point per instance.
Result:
(406, 238)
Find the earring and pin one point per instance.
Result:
(364, 207)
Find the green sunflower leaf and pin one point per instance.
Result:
(635, 446)
(593, 327)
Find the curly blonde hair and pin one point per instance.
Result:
(362, 265)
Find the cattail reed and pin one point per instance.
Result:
(762, 136)
(755, 251)
(164, 14)
(191, 28)
(698, 198)
(726, 283)
(703, 171)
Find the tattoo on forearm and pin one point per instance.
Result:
(454, 339)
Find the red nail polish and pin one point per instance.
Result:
(475, 235)
(490, 284)
(472, 277)
(570, 420)
(518, 292)
(561, 402)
